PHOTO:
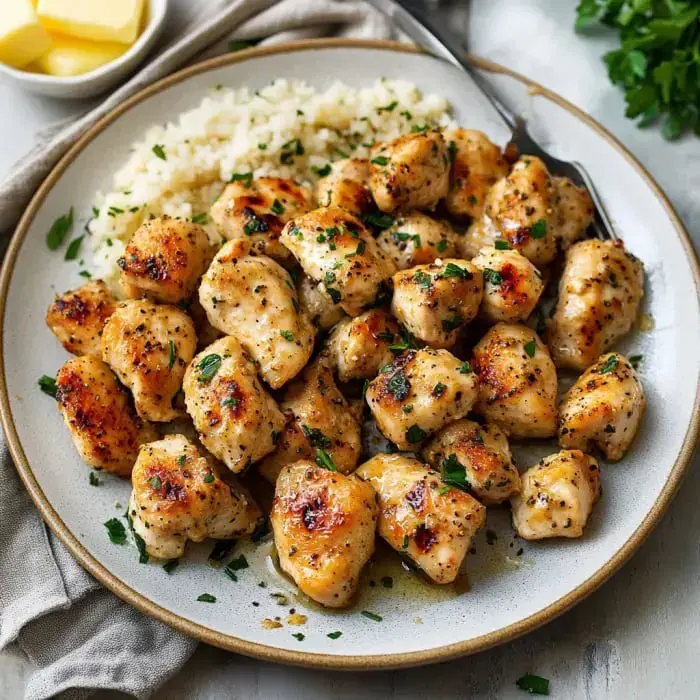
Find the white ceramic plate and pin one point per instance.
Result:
(509, 594)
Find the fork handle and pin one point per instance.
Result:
(412, 17)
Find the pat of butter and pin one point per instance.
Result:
(22, 38)
(68, 56)
(98, 20)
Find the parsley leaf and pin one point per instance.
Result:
(116, 531)
(159, 151)
(530, 348)
(609, 365)
(454, 473)
(533, 684)
(59, 229)
(48, 385)
(539, 229)
(415, 434)
(323, 459)
(208, 367)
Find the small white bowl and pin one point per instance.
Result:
(102, 78)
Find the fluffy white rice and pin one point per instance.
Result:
(181, 167)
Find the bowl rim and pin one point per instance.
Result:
(288, 656)
(157, 13)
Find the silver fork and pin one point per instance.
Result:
(412, 17)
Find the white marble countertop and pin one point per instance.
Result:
(637, 636)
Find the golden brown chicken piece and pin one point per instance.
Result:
(318, 418)
(416, 238)
(178, 495)
(517, 381)
(77, 317)
(359, 346)
(257, 210)
(557, 496)
(410, 172)
(477, 164)
(434, 302)
(105, 428)
(254, 299)
(346, 187)
(164, 260)
(475, 457)
(419, 393)
(603, 408)
(512, 285)
(324, 524)
(148, 346)
(237, 420)
(599, 294)
(422, 518)
(317, 305)
(336, 250)
(574, 210)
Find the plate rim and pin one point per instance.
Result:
(288, 656)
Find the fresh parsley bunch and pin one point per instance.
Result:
(658, 63)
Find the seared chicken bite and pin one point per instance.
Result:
(253, 298)
(476, 165)
(517, 381)
(476, 457)
(164, 260)
(316, 305)
(318, 418)
(419, 517)
(178, 495)
(417, 238)
(324, 524)
(419, 393)
(512, 285)
(346, 186)
(410, 172)
(557, 496)
(603, 408)
(78, 317)
(105, 428)
(149, 346)
(599, 294)
(257, 210)
(573, 209)
(359, 346)
(434, 302)
(237, 420)
(336, 249)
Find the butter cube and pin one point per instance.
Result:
(22, 38)
(98, 20)
(68, 56)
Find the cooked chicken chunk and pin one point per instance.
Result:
(360, 346)
(324, 525)
(346, 186)
(237, 420)
(520, 210)
(475, 457)
(335, 248)
(434, 302)
(599, 294)
(512, 285)
(257, 210)
(417, 238)
(410, 172)
(419, 393)
(318, 419)
(316, 305)
(105, 428)
(603, 408)
(178, 495)
(149, 346)
(164, 260)
(557, 496)
(573, 209)
(481, 234)
(476, 166)
(78, 317)
(420, 518)
(517, 381)
(253, 298)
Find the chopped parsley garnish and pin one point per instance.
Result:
(116, 531)
(171, 565)
(287, 335)
(334, 635)
(334, 294)
(465, 368)
(299, 635)
(245, 178)
(155, 482)
(277, 207)
(441, 245)
(323, 459)
(453, 472)
(48, 385)
(262, 146)
(530, 348)
(539, 229)
(415, 434)
(415, 129)
(206, 598)
(208, 367)
(290, 149)
(172, 353)
(501, 244)
(452, 270)
(209, 478)
(609, 365)
(636, 360)
(406, 542)
(402, 237)
(94, 481)
(452, 151)
(533, 684)
(181, 460)
(316, 437)
(388, 108)
(358, 251)
(371, 615)
(387, 582)
(422, 279)
(452, 323)
(221, 550)
(407, 342)
(493, 276)
(380, 160)
(200, 218)
(407, 408)
(74, 248)
(230, 402)
(443, 490)
(379, 219)
(59, 230)
(113, 211)
(159, 151)
(321, 172)
(253, 225)
(86, 274)
(140, 544)
(237, 564)
(399, 385)
(439, 389)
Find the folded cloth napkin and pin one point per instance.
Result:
(79, 636)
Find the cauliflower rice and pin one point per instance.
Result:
(287, 129)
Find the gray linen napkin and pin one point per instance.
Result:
(79, 636)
